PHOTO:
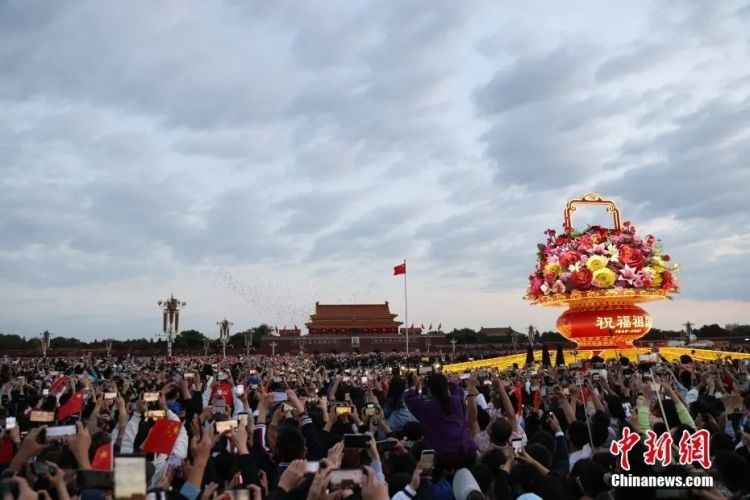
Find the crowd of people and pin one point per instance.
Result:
(374, 427)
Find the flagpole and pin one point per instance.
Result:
(406, 311)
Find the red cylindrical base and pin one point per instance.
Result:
(604, 323)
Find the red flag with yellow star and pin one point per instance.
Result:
(103, 457)
(162, 437)
(71, 407)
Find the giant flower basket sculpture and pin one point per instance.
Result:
(601, 274)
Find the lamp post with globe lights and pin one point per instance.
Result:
(224, 335)
(46, 339)
(171, 308)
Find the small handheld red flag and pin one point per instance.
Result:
(71, 407)
(103, 457)
(162, 437)
(399, 269)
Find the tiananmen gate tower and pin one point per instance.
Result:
(352, 328)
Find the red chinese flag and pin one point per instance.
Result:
(71, 407)
(58, 385)
(399, 269)
(162, 437)
(103, 458)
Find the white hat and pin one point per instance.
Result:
(529, 496)
(464, 483)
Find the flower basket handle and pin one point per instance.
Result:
(590, 199)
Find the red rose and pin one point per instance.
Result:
(631, 256)
(568, 258)
(666, 280)
(581, 279)
(584, 242)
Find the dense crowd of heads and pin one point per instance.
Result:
(363, 426)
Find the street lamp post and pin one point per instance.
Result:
(108, 346)
(224, 335)
(171, 308)
(46, 338)
(206, 344)
(453, 346)
(248, 342)
(273, 348)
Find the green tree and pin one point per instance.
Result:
(189, 339)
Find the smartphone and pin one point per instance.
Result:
(345, 478)
(280, 396)
(286, 407)
(240, 390)
(343, 410)
(427, 461)
(41, 469)
(96, 480)
(188, 375)
(566, 391)
(130, 476)
(312, 467)
(517, 444)
(155, 414)
(9, 423)
(151, 397)
(356, 440)
(424, 370)
(45, 392)
(42, 416)
(371, 409)
(347, 397)
(110, 395)
(59, 432)
(464, 376)
(225, 426)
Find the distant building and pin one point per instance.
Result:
(501, 332)
(289, 332)
(732, 326)
(361, 328)
(353, 319)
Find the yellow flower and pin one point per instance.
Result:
(658, 264)
(597, 262)
(604, 278)
(552, 267)
(655, 275)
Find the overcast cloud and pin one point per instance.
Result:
(254, 157)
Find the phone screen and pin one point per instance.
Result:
(240, 390)
(41, 416)
(110, 395)
(517, 444)
(345, 478)
(226, 426)
(130, 476)
(60, 432)
(312, 467)
(150, 397)
(280, 396)
(356, 440)
(427, 461)
(343, 410)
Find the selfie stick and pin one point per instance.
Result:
(658, 398)
(586, 412)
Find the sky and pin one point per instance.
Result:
(256, 157)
